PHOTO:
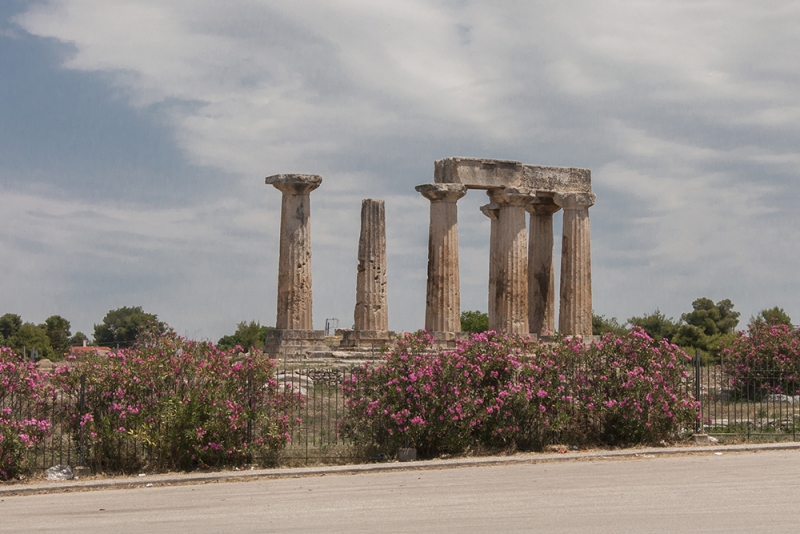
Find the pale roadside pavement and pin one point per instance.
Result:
(697, 490)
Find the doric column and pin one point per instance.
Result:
(510, 252)
(575, 313)
(492, 210)
(371, 311)
(443, 301)
(294, 267)
(541, 275)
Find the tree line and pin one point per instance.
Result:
(120, 328)
(709, 327)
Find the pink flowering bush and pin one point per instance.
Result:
(764, 360)
(21, 384)
(631, 389)
(169, 403)
(510, 392)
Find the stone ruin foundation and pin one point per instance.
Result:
(521, 292)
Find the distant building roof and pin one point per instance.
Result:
(77, 351)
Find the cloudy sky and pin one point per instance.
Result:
(135, 136)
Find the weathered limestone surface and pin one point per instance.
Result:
(371, 311)
(371, 317)
(480, 173)
(294, 343)
(443, 300)
(492, 210)
(294, 326)
(541, 271)
(575, 313)
(294, 267)
(556, 179)
(510, 253)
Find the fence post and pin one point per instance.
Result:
(698, 428)
(81, 409)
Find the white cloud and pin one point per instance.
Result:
(684, 110)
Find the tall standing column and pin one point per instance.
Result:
(294, 267)
(575, 313)
(492, 210)
(541, 272)
(371, 316)
(443, 300)
(510, 251)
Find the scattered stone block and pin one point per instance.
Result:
(406, 455)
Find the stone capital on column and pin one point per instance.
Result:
(571, 201)
(294, 184)
(512, 196)
(442, 192)
(542, 209)
(491, 210)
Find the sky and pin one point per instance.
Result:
(135, 136)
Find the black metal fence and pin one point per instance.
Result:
(314, 425)
(727, 410)
(761, 404)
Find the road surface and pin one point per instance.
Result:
(744, 492)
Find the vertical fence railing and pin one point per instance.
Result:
(698, 425)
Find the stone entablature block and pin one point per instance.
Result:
(480, 173)
(556, 179)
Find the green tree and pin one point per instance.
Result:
(712, 318)
(601, 325)
(29, 337)
(9, 324)
(656, 324)
(708, 327)
(57, 330)
(774, 315)
(123, 325)
(474, 322)
(248, 336)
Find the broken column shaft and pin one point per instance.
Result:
(371, 316)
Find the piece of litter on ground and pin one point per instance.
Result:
(141, 474)
(149, 485)
(717, 454)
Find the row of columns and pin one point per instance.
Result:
(294, 327)
(521, 286)
(521, 277)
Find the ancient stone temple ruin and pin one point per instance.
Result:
(521, 292)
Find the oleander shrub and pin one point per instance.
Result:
(507, 391)
(632, 389)
(22, 388)
(765, 360)
(172, 403)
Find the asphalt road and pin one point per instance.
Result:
(744, 492)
